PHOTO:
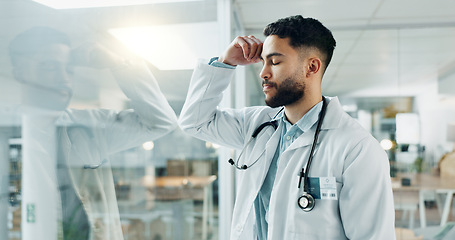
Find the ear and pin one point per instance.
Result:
(18, 74)
(314, 66)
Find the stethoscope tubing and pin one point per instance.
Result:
(306, 202)
(274, 124)
(313, 146)
(256, 132)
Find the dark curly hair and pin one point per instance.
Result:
(304, 32)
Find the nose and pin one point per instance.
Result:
(265, 73)
(62, 74)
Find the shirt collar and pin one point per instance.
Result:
(306, 122)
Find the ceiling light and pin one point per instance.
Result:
(171, 47)
(386, 144)
(148, 145)
(67, 4)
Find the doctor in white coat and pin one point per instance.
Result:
(345, 193)
(82, 140)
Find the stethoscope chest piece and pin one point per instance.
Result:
(306, 202)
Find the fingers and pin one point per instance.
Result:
(78, 56)
(81, 55)
(251, 47)
(93, 55)
(244, 50)
(256, 48)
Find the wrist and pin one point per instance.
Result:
(215, 63)
(221, 59)
(121, 64)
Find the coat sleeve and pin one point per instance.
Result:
(201, 117)
(149, 117)
(366, 198)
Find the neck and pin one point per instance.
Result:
(294, 112)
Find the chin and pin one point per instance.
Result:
(268, 95)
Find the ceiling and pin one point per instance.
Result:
(386, 49)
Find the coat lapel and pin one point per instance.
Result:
(269, 151)
(331, 121)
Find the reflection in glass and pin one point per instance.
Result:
(88, 145)
(67, 183)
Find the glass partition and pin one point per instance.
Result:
(91, 92)
(89, 143)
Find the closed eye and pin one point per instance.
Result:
(48, 65)
(70, 70)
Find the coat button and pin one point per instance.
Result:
(288, 138)
(83, 197)
(238, 228)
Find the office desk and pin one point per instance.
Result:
(422, 183)
(168, 188)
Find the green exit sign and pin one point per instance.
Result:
(31, 213)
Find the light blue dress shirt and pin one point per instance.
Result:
(288, 135)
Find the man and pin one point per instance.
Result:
(275, 178)
(43, 62)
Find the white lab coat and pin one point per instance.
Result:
(87, 137)
(364, 209)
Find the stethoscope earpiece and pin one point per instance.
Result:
(231, 161)
(243, 167)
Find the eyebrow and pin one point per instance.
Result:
(271, 55)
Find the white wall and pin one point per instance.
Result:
(447, 83)
(435, 111)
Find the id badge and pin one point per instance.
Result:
(323, 188)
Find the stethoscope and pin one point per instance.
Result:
(89, 166)
(306, 201)
(95, 166)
